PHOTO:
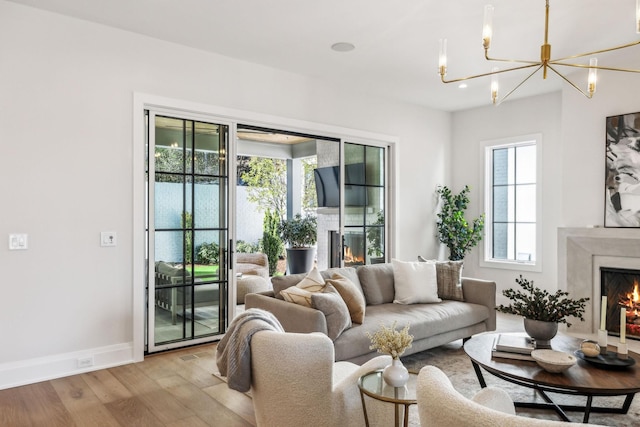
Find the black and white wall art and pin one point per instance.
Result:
(622, 180)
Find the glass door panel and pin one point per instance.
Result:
(365, 202)
(188, 231)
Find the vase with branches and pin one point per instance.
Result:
(454, 230)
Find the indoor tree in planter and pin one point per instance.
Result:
(300, 233)
(454, 230)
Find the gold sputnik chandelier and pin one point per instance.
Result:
(545, 63)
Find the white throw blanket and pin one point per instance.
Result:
(233, 355)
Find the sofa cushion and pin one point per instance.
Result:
(425, 320)
(335, 310)
(352, 296)
(283, 282)
(377, 283)
(415, 282)
(449, 278)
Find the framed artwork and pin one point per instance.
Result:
(622, 179)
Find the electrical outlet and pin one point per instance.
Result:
(108, 238)
(85, 362)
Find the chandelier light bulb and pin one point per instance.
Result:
(487, 27)
(494, 84)
(442, 57)
(593, 76)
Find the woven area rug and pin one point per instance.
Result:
(453, 361)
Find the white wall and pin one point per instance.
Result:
(573, 133)
(66, 172)
(536, 115)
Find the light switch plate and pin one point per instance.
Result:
(18, 242)
(108, 238)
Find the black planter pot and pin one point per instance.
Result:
(300, 260)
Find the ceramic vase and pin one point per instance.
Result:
(542, 332)
(396, 375)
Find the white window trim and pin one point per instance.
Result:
(485, 159)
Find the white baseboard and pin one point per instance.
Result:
(31, 371)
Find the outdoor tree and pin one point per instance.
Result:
(309, 198)
(266, 181)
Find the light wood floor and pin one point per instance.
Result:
(169, 389)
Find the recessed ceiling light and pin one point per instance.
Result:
(462, 86)
(343, 47)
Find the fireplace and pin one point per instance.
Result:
(620, 286)
(353, 249)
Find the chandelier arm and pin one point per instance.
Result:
(520, 84)
(521, 61)
(490, 73)
(599, 67)
(595, 52)
(569, 81)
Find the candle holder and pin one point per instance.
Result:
(622, 351)
(602, 341)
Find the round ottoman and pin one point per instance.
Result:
(248, 283)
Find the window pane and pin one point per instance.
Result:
(169, 155)
(354, 241)
(168, 246)
(500, 238)
(207, 145)
(375, 166)
(526, 203)
(500, 167)
(500, 204)
(354, 215)
(526, 164)
(207, 203)
(168, 202)
(526, 242)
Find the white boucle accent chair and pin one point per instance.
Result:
(439, 404)
(295, 382)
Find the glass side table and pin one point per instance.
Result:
(373, 385)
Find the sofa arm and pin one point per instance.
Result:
(481, 292)
(292, 317)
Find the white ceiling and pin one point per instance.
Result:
(396, 41)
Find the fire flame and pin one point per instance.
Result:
(350, 258)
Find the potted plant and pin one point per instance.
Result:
(454, 230)
(375, 236)
(542, 311)
(300, 233)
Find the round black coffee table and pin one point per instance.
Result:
(582, 379)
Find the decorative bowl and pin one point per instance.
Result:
(553, 360)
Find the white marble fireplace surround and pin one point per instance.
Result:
(581, 253)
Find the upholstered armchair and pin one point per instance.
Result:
(439, 404)
(295, 382)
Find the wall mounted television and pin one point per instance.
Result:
(328, 186)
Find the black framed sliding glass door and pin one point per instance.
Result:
(187, 230)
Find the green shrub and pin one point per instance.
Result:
(208, 253)
(246, 247)
(272, 246)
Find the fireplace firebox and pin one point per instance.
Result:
(620, 286)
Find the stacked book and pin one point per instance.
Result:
(513, 346)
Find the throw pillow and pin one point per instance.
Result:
(335, 311)
(280, 283)
(449, 275)
(301, 292)
(297, 296)
(377, 283)
(415, 282)
(313, 282)
(351, 295)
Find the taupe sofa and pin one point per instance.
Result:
(432, 324)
